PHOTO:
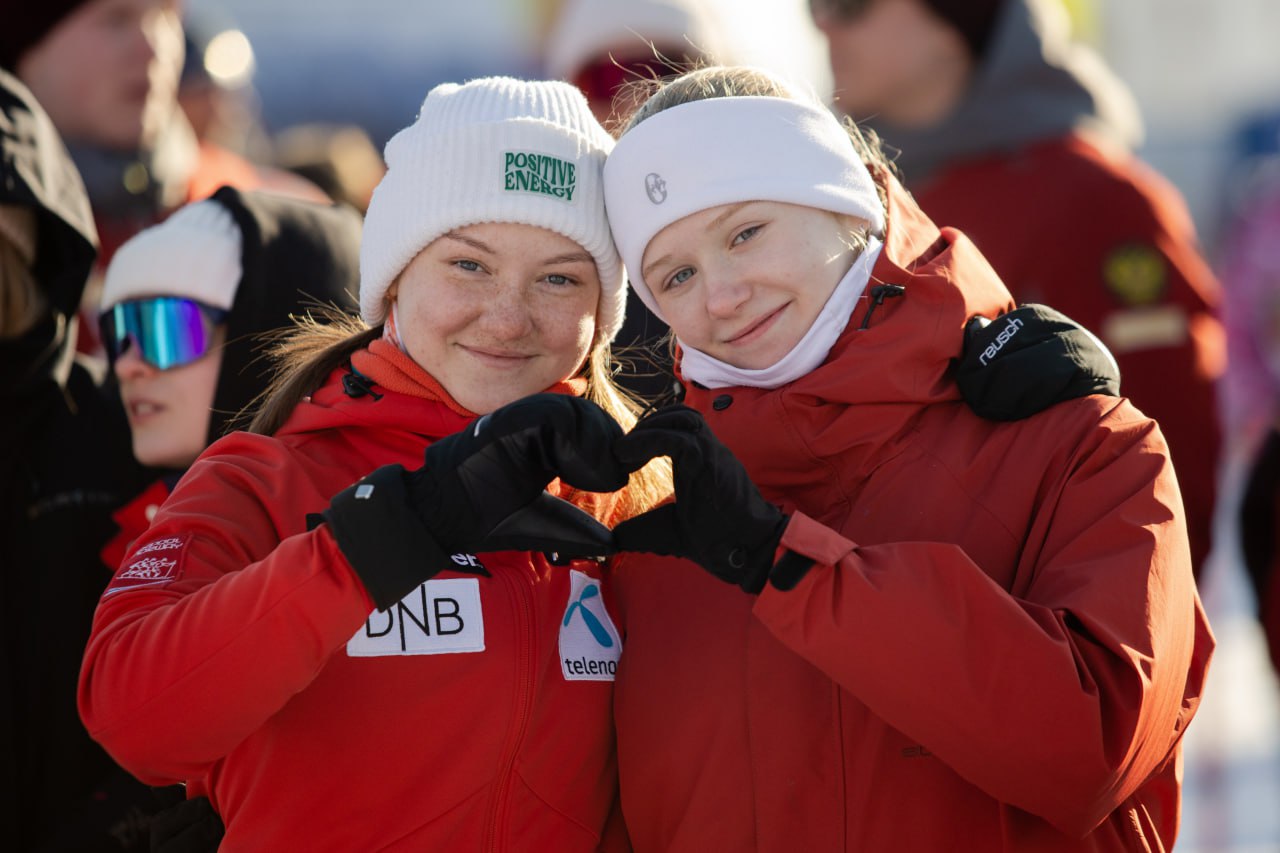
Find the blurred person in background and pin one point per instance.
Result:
(1249, 264)
(65, 466)
(188, 306)
(107, 72)
(1022, 138)
(340, 159)
(600, 46)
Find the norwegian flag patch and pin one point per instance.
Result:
(156, 562)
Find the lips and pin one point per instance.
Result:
(757, 328)
(142, 409)
(497, 357)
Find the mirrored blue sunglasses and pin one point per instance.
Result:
(168, 331)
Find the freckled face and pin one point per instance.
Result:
(744, 282)
(498, 311)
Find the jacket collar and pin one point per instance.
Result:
(860, 404)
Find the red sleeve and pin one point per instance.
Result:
(1061, 701)
(224, 610)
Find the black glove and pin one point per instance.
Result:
(719, 519)
(1025, 361)
(189, 826)
(482, 489)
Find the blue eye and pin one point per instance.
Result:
(746, 234)
(680, 277)
(558, 278)
(469, 266)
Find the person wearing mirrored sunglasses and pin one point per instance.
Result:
(184, 306)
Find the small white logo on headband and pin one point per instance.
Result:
(655, 188)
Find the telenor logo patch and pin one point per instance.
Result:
(589, 642)
(528, 172)
(154, 563)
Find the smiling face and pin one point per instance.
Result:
(108, 73)
(498, 311)
(744, 282)
(169, 410)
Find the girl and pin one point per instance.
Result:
(918, 630)
(351, 667)
(184, 307)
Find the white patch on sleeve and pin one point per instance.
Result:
(157, 562)
(589, 642)
(442, 616)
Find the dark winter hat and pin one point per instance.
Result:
(975, 19)
(1025, 361)
(26, 23)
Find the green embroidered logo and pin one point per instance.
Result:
(527, 172)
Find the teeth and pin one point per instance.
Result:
(145, 408)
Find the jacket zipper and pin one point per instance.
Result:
(523, 615)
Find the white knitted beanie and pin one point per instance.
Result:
(492, 150)
(195, 253)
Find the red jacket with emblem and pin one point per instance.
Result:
(1000, 644)
(1124, 262)
(237, 650)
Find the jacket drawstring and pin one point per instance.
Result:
(879, 293)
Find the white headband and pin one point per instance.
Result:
(718, 151)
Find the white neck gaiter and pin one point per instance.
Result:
(812, 349)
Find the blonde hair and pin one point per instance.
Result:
(304, 356)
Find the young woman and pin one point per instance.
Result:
(355, 667)
(917, 630)
(185, 308)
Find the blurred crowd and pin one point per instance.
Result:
(146, 190)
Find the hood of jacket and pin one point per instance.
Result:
(296, 255)
(1033, 82)
(882, 373)
(39, 174)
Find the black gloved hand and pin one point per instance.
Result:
(482, 489)
(1027, 360)
(719, 519)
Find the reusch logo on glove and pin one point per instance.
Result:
(539, 173)
(589, 643)
(993, 349)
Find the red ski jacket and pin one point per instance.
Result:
(237, 651)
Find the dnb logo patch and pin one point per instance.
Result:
(589, 642)
(530, 172)
(157, 562)
(1135, 274)
(440, 617)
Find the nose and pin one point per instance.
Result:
(726, 292)
(130, 365)
(506, 314)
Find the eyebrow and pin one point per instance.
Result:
(715, 223)
(568, 258)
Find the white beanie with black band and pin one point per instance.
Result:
(716, 151)
(492, 150)
(195, 254)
